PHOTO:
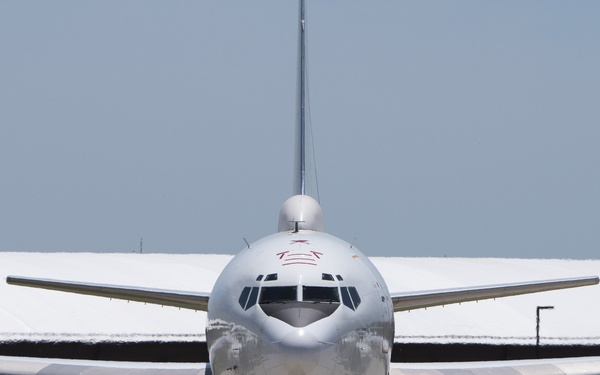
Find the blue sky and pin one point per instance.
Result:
(441, 128)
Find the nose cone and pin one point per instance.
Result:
(299, 351)
(302, 352)
(300, 340)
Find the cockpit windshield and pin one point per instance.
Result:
(278, 294)
(318, 294)
(286, 294)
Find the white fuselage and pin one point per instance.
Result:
(300, 303)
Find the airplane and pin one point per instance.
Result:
(299, 301)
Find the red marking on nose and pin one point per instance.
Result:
(317, 254)
(304, 263)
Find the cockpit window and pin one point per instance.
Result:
(248, 297)
(346, 297)
(252, 298)
(350, 297)
(271, 277)
(278, 294)
(320, 294)
(244, 297)
(355, 296)
(327, 277)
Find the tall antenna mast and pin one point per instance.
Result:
(301, 151)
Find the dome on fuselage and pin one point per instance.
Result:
(300, 212)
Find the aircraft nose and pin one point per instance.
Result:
(300, 340)
(302, 352)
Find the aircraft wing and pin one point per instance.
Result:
(566, 366)
(428, 298)
(51, 366)
(182, 299)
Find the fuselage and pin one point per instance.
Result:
(300, 302)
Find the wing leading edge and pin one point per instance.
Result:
(402, 301)
(428, 298)
(181, 299)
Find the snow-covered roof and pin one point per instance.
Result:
(33, 314)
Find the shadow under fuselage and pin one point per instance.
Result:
(196, 351)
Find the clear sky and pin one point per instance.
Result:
(460, 128)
